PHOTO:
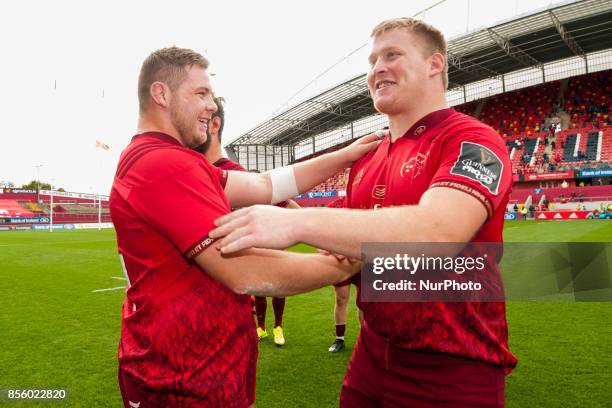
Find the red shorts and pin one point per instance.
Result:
(342, 284)
(382, 375)
(355, 280)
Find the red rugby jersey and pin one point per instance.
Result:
(184, 336)
(448, 149)
(227, 164)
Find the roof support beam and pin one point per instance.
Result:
(566, 36)
(470, 68)
(513, 51)
(294, 123)
(327, 107)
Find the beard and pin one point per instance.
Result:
(204, 146)
(185, 128)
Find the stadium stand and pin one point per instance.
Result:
(522, 112)
(11, 208)
(72, 208)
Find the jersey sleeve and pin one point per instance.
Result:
(183, 206)
(476, 162)
(220, 175)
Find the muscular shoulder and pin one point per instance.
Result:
(149, 163)
(462, 127)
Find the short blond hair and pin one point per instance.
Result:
(166, 65)
(434, 40)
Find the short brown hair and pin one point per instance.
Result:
(434, 39)
(166, 65)
(220, 113)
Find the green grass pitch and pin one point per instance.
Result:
(56, 332)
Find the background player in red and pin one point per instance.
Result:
(212, 149)
(439, 176)
(187, 334)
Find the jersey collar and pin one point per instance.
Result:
(428, 122)
(159, 136)
(220, 162)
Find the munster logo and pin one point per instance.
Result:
(414, 165)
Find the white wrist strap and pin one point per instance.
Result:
(284, 185)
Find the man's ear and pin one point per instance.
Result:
(437, 64)
(160, 93)
(215, 124)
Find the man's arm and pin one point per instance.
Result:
(264, 272)
(245, 189)
(343, 231)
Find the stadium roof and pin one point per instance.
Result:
(558, 32)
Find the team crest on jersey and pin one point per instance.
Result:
(379, 191)
(414, 165)
(480, 164)
(358, 177)
(420, 130)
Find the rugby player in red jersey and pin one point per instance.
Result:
(212, 149)
(187, 334)
(426, 182)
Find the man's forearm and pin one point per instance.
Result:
(264, 272)
(293, 274)
(313, 172)
(442, 215)
(343, 231)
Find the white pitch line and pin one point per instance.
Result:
(107, 289)
(117, 278)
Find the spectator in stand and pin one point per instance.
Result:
(564, 184)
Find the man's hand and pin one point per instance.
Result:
(262, 226)
(360, 147)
